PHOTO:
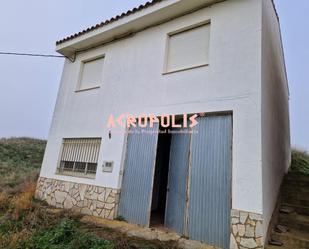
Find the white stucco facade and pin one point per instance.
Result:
(276, 147)
(245, 76)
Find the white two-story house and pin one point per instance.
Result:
(208, 159)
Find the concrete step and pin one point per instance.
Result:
(296, 177)
(294, 221)
(293, 202)
(297, 181)
(292, 189)
(293, 239)
(295, 189)
(298, 195)
(295, 195)
(290, 185)
(297, 208)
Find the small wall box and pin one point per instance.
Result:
(108, 166)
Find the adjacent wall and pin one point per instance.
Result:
(275, 112)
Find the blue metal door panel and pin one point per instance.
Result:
(175, 213)
(136, 191)
(210, 181)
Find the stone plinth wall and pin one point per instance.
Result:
(246, 230)
(86, 199)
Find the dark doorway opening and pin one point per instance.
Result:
(160, 179)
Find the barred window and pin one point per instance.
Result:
(79, 156)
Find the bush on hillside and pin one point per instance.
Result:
(64, 236)
(300, 162)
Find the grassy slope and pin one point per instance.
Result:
(300, 162)
(20, 158)
(26, 223)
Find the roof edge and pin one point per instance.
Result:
(157, 12)
(111, 20)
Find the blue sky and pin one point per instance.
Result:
(29, 85)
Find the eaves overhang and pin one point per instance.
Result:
(148, 15)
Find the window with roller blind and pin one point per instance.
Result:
(79, 157)
(91, 74)
(188, 48)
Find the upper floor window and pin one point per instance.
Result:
(188, 48)
(91, 74)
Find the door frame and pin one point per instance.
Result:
(186, 218)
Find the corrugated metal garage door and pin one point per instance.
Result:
(210, 181)
(175, 214)
(136, 192)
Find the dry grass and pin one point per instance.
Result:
(15, 238)
(23, 201)
(29, 223)
(4, 198)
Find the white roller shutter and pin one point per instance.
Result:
(91, 74)
(189, 48)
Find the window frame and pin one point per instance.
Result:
(73, 173)
(179, 31)
(81, 71)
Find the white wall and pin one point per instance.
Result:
(133, 83)
(275, 112)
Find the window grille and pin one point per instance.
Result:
(79, 156)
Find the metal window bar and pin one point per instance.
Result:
(79, 156)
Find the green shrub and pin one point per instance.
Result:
(300, 162)
(64, 236)
(90, 241)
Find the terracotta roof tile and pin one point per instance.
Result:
(113, 19)
(124, 14)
